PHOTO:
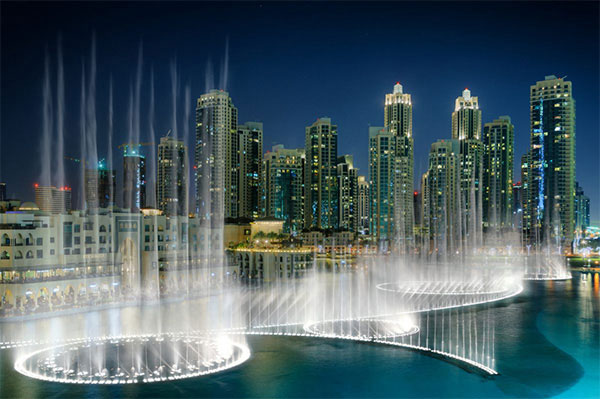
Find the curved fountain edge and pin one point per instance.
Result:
(19, 364)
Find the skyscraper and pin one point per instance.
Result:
(134, 178)
(364, 203)
(517, 207)
(172, 179)
(347, 193)
(391, 172)
(100, 186)
(283, 187)
(582, 210)
(382, 150)
(466, 128)
(3, 191)
(321, 191)
(441, 199)
(52, 199)
(398, 121)
(250, 136)
(216, 157)
(552, 163)
(498, 144)
(466, 118)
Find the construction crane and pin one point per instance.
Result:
(83, 162)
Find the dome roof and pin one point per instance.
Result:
(29, 206)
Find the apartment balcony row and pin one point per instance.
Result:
(41, 279)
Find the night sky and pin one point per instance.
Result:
(289, 63)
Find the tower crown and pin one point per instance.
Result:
(397, 88)
(466, 94)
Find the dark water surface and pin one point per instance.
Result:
(547, 345)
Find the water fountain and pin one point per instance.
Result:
(182, 317)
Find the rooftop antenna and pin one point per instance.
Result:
(168, 133)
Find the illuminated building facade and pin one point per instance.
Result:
(134, 179)
(321, 182)
(52, 199)
(216, 159)
(348, 193)
(582, 211)
(398, 121)
(56, 262)
(250, 136)
(517, 207)
(364, 204)
(440, 198)
(382, 150)
(551, 175)
(172, 179)
(466, 128)
(498, 158)
(100, 186)
(283, 187)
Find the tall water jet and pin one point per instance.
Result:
(174, 91)
(209, 77)
(46, 145)
(59, 177)
(82, 138)
(138, 88)
(109, 153)
(225, 69)
(91, 156)
(152, 134)
(186, 140)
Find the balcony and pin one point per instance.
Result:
(32, 280)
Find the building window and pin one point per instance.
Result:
(51, 252)
(51, 240)
(39, 241)
(77, 228)
(40, 253)
(77, 240)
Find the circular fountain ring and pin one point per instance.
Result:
(547, 276)
(443, 288)
(422, 296)
(133, 359)
(361, 329)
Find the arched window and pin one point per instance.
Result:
(29, 255)
(19, 255)
(19, 239)
(29, 240)
(5, 240)
(102, 228)
(4, 255)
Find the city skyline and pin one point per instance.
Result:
(233, 199)
(429, 110)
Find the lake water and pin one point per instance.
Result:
(547, 345)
